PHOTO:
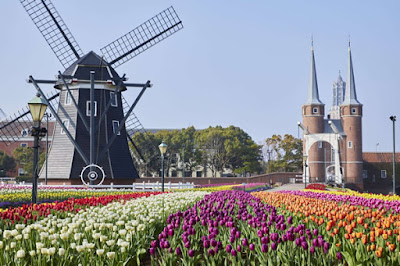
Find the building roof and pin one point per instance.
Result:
(336, 122)
(82, 67)
(380, 157)
(313, 95)
(350, 92)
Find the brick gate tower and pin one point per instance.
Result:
(341, 136)
(351, 116)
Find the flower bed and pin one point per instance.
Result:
(234, 227)
(12, 196)
(360, 232)
(316, 186)
(26, 213)
(114, 234)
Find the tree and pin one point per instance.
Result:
(7, 163)
(286, 153)
(229, 148)
(24, 157)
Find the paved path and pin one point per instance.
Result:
(299, 186)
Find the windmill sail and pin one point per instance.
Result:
(19, 125)
(143, 37)
(54, 30)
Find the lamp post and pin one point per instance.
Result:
(393, 118)
(48, 115)
(163, 149)
(305, 157)
(37, 107)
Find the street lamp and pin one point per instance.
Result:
(393, 118)
(48, 115)
(163, 149)
(37, 107)
(305, 157)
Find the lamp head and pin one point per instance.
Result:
(393, 118)
(37, 107)
(163, 148)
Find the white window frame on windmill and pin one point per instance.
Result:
(354, 110)
(66, 124)
(68, 98)
(88, 108)
(113, 99)
(115, 126)
(315, 110)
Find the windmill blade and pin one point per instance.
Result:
(19, 125)
(54, 30)
(134, 126)
(143, 37)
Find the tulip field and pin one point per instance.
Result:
(210, 225)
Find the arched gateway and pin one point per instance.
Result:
(342, 131)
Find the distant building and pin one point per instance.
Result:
(338, 93)
(378, 171)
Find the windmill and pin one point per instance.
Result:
(91, 137)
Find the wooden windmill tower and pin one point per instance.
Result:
(90, 140)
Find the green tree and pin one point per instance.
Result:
(229, 148)
(7, 163)
(286, 153)
(24, 157)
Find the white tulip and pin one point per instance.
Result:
(13, 245)
(14, 232)
(100, 252)
(20, 253)
(18, 237)
(32, 253)
(61, 252)
(52, 251)
(111, 255)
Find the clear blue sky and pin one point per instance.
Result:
(242, 63)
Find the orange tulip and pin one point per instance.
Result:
(378, 253)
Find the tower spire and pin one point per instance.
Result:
(350, 94)
(313, 95)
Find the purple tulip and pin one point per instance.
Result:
(239, 248)
(187, 244)
(273, 246)
(152, 251)
(166, 244)
(154, 243)
(233, 252)
(213, 242)
(171, 232)
(339, 255)
(315, 232)
(290, 220)
(304, 245)
(298, 242)
(211, 252)
(312, 250)
(178, 251)
(264, 248)
(191, 252)
(315, 242)
(232, 239)
(252, 246)
(206, 244)
(245, 242)
(170, 250)
(228, 248)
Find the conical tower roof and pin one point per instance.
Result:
(313, 94)
(350, 93)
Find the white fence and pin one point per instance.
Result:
(135, 186)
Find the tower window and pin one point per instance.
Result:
(315, 110)
(113, 99)
(68, 99)
(383, 174)
(353, 110)
(24, 145)
(66, 124)
(350, 144)
(88, 108)
(319, 144)
(115, 124)
(365, 174)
